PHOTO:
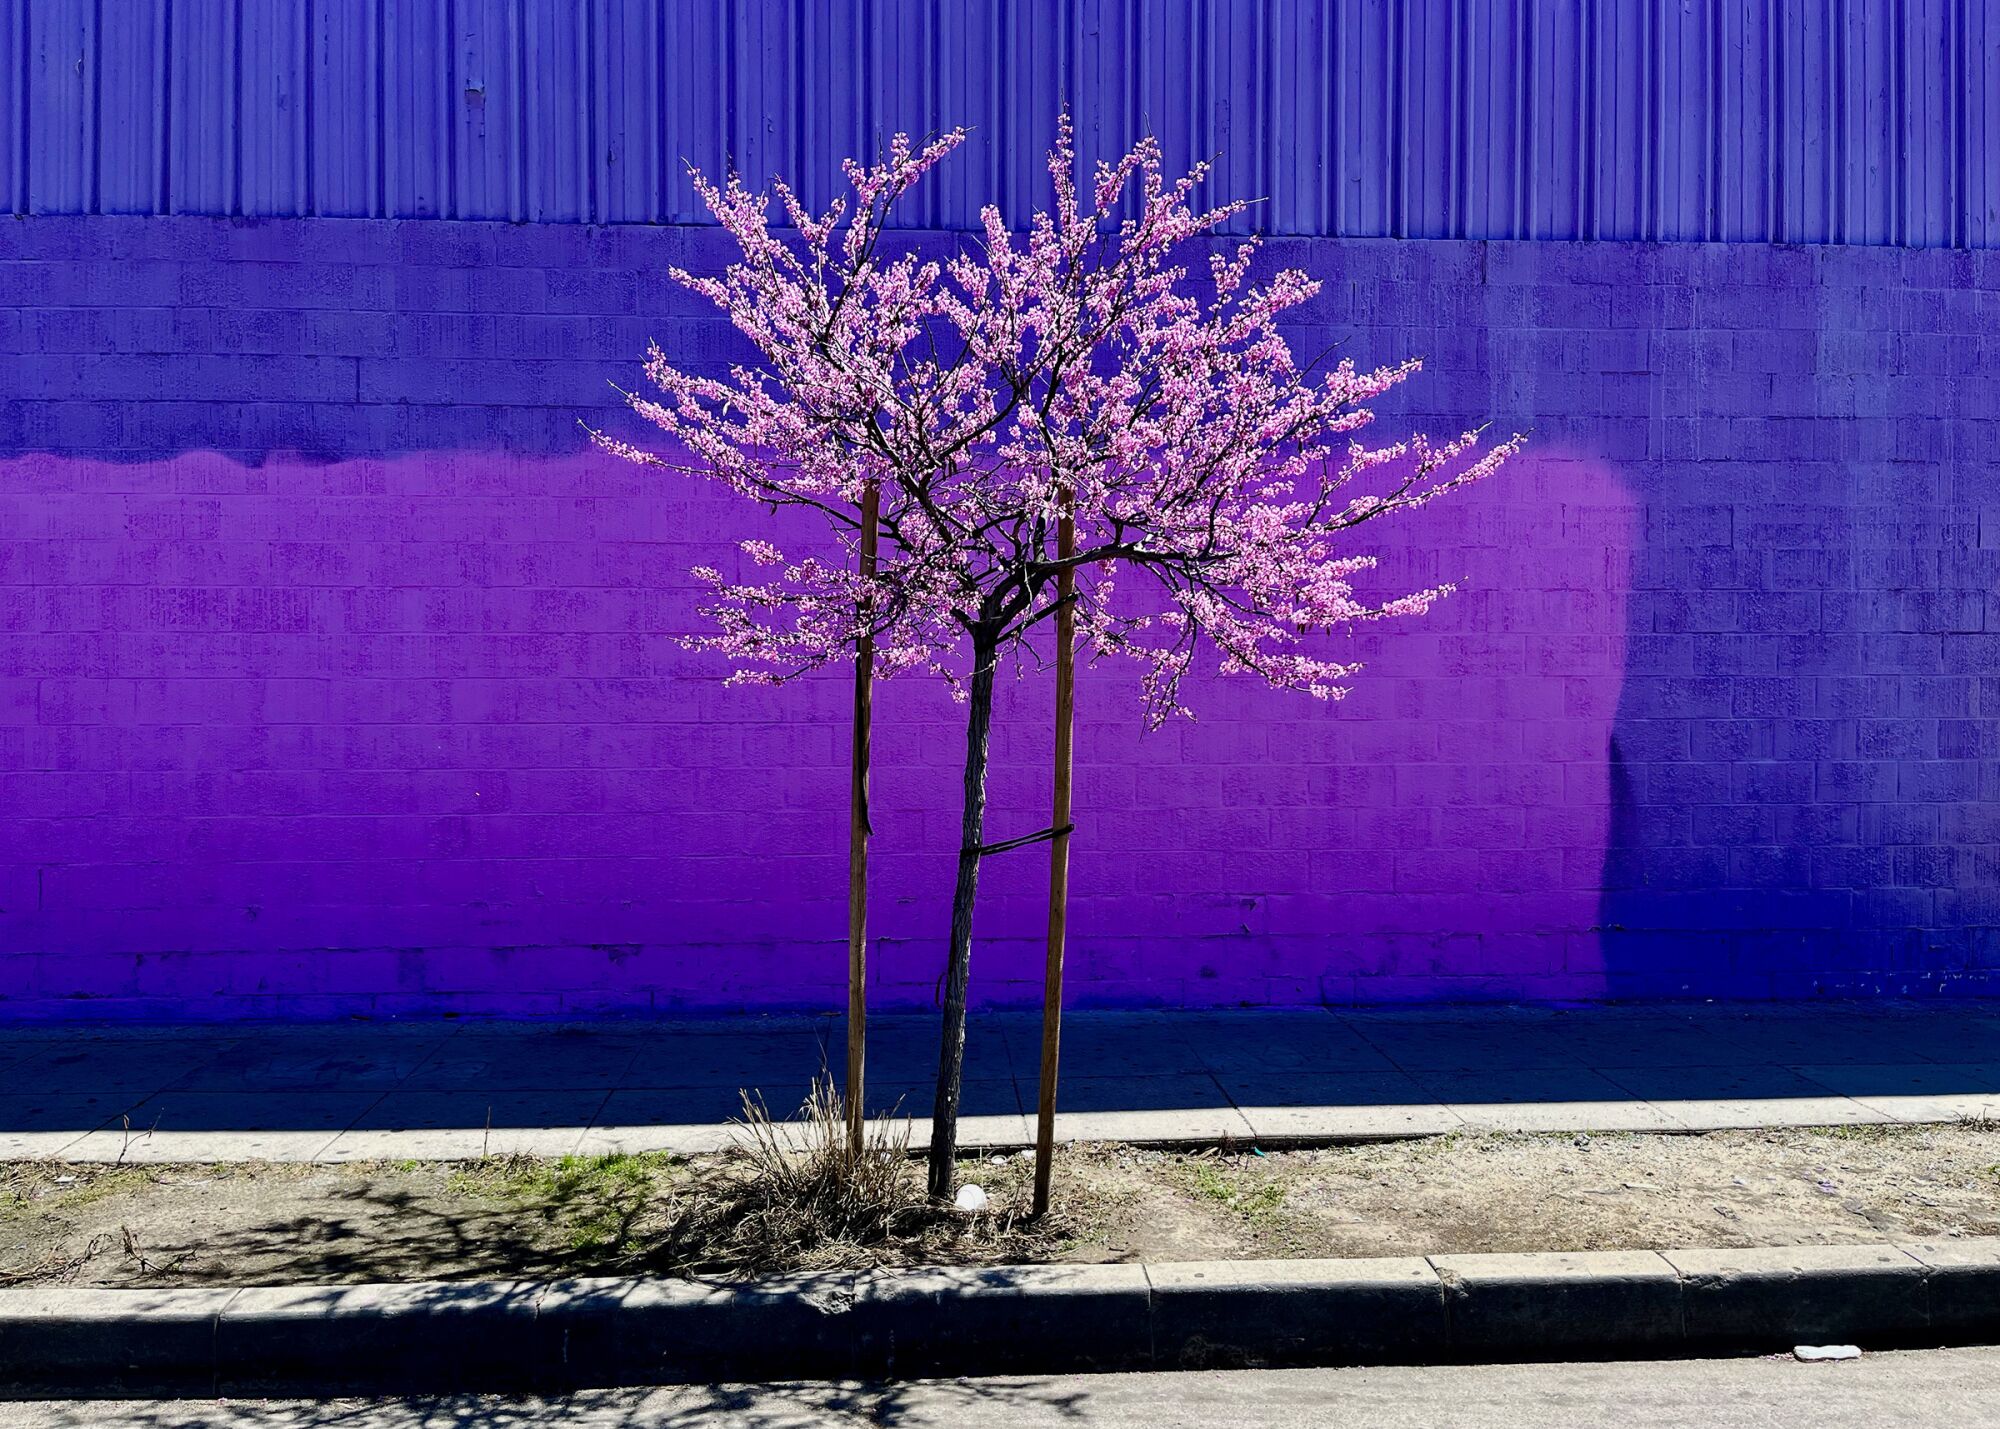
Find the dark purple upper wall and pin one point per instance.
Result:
(1871, 121)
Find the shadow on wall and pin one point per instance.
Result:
(1796, 766)
(1802, 764)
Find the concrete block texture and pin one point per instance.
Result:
(623, 1331)
(1231, 1313)
(1962, 1282)
(342, 1339)
(341, 677)
(88, 1342)
(1557, 1303)
(945, 1320)
(1814, 1294)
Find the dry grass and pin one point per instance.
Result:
(794, 1195)
(51, 1267)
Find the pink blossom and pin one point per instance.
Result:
(1080, 364)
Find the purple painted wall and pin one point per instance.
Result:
(335, 677)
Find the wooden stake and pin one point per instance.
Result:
(1052, 984)
(857, 843)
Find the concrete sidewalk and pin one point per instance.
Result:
(358, 1091)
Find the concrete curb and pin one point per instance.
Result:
(514, 1335)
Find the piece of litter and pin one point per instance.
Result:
(970, 1198)
(996, 1161)
(65, 1180)
(1810, 1353)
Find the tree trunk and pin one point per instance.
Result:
(972, 834)
(857, 845)
(1059, 821)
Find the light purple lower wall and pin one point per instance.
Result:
(402, 725)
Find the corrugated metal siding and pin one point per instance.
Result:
(1843, 121)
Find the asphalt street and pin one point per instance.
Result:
(1937, 1387)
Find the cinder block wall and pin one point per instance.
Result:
(337, 677)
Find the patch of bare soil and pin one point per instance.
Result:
(1538, 1193)
(277, 1224)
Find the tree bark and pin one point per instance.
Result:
(972, 833)
(1060, 814)
(858, 830)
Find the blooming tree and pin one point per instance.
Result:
(1113, 364)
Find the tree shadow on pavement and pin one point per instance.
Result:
(914, 1403)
